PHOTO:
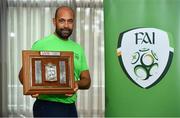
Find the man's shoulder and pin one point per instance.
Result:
(46, 38)
(42, 41)
(77, 45)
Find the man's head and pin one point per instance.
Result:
(64, 22)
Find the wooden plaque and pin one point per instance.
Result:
(46, 72)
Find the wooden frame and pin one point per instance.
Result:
(46, 72)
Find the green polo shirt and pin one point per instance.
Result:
(53, 43)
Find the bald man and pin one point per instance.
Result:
(62, 105)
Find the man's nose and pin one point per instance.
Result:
(66, 24)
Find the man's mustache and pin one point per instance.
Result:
(66, 30)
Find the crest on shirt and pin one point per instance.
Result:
(76, 56)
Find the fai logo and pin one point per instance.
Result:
(145, 55)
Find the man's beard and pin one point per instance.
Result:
(64, 33)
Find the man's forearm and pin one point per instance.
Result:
(21, 76)
(84, 83)
(85, 80)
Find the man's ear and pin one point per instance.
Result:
(54, 21)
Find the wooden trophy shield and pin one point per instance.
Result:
(46, 72)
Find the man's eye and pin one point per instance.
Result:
(61, 20)
(70, 21)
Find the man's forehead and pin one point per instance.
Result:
(65, 11)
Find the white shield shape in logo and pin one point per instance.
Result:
(145, 55)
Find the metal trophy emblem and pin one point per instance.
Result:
(51, 74)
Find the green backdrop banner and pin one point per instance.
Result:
(140, 34)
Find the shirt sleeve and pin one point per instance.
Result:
(84, 65)
(34, 46)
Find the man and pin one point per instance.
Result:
(62, 105)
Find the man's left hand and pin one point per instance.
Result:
(75, 89)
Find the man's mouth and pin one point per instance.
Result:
(65, 31)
